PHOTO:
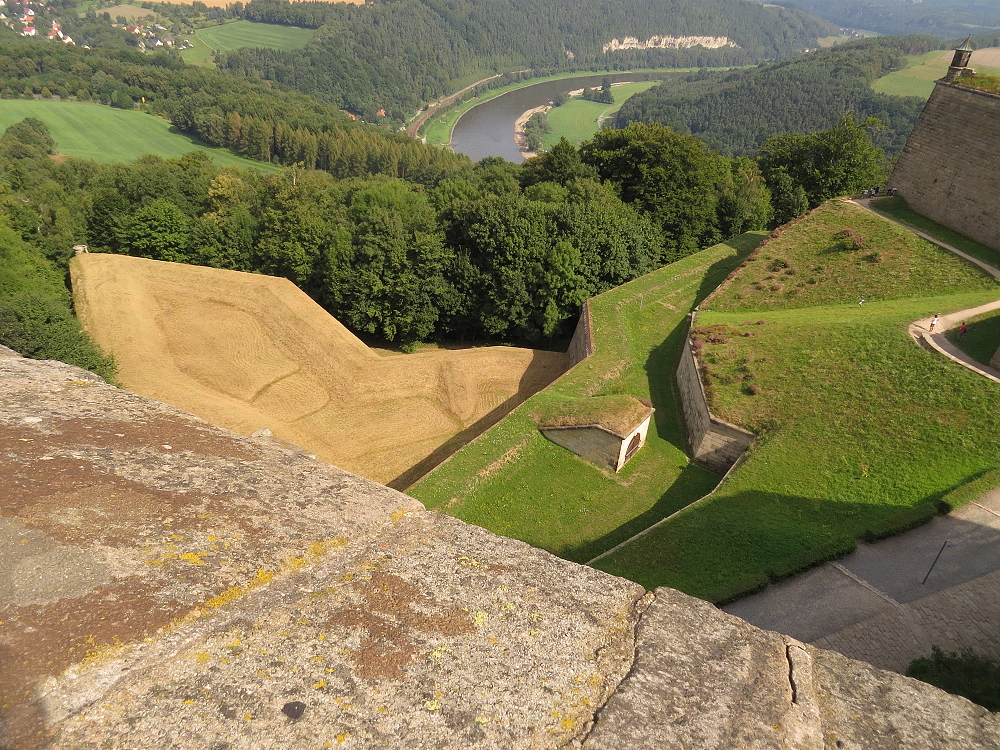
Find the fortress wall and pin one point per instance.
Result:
(948, 170)
(715, 444)
(582, 344)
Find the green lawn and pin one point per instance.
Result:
(216, 39)
(856, 423)
(105, 134)
(514, 482)
(577, 120)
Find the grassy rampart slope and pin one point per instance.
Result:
(513, 481)
(857, 423)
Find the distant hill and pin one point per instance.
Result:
(943, 18)
(734, 112)
(396, 55)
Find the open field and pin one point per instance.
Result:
(577, 120)
(247, 351)
(917, 79)
(222, 38)
(105, 134)
(513, 481)
(131, 12)
(856, 423)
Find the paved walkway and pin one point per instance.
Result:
(875, 604)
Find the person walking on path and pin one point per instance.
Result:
(934, 321)
(962, 330)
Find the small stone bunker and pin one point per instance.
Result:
(606, 430)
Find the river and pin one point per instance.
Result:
(488, 128)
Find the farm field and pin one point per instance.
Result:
(225, 37)
(917, 79)
(577, 120)
(106, 134)
(859, 428)
(515, 482)
(131, 12)
(247, 351)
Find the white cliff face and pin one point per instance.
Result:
(669, 42)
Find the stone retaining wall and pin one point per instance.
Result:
(713, 443)
(582, 344)
(948, 170)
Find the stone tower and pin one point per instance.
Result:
(960, 62)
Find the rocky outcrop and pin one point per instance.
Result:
(668, 42)
(166, 583)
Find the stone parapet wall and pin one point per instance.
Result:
(212, 590)
(713, 443)
(949, 169)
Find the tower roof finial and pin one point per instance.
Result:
(965, 46)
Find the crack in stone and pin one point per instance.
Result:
(640, 606)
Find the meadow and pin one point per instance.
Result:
(578, 119)
(860, 431)
(215, 39)
(514, 482)
(105, 134)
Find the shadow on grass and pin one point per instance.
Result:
(981, 340)
(662, 362)
(691, 484)
(744, 244)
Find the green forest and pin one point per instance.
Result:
(736, 111)
(493, 251)
(396, 55)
